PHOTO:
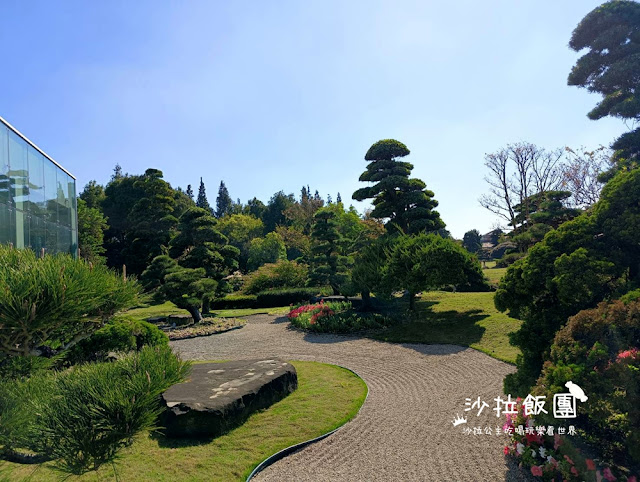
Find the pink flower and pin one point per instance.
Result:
(506, 450)
(556, 441)
(574, 471)
(566, 457)
(598, 476)
(536, 470)
(608, 475)
(632, 479)
(590, 464)
(632, 353)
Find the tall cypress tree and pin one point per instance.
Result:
(405, 202)
(202, 202)
(224, 203)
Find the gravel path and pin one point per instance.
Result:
(404, 430)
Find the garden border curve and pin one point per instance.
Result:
(294, 448)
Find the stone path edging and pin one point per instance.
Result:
(294, 448)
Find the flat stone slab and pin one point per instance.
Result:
(218, 397)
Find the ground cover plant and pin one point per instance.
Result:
(327, 397)
(208, 326)
(467, 319)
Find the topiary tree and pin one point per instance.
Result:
(404, 201)
(328, 265)
(199, 244)
(153, 277)
(610, 67)
(586, 260)
(425, 262)
(55, 301)
(187, 288)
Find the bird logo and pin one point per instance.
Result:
(576, 391)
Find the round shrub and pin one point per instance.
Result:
(119, 335)
(598, 349)
(283, 274)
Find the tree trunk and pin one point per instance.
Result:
(412, 301)
(195, 314)
(366, 299)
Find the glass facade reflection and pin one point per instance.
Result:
(38, 207)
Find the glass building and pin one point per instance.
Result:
(38, 207)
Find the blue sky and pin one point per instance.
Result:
(276, 95)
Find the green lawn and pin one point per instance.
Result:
(467, 319)
(327, 397)
(169, 308)
(494, 274)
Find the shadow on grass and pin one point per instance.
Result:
(437, 327)
(175, 443)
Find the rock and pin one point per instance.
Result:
(218, 397)
(180, 320)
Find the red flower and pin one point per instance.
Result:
(536, 470)
(574, 471)
(608, 475)
(506, 450)
(590, 464)
(568, 459)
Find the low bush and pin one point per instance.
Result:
(335, 317)
(598, 350)
(273, 298)
(234, 302)
(283, 274)
(83, 416)
(508, 259)
(121, 334)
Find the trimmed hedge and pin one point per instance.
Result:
(273, 298)
(234, 302)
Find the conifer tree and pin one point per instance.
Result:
(404, 201)
(339, 198)
(224, 203)
(202, 202)
(190, 192)
(328, 265)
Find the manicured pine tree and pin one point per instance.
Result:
(404, 201)
(190, 192)
(202, 202)
(328, 265)
(224, 203)
(339, 198)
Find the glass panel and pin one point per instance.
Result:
(74, 204)
(18, 170)
(37, 234)
(64, 240)
(51, 240)
(50, 191)
(64, 200)
(36, 182)
(7, 225)
(74, 243)
(4, 164)
(21, 218)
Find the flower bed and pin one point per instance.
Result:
(335, 317)
(209, 326)
(552, 457)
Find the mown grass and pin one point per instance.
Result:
(494, 274)
(327, 397)
(468, 319)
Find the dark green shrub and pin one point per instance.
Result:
(234, 302)
(119, 335)
(270, 299)
(508, 259)
(16, 367)
(598, 349)
(83, 416)
(54, 300)
(283, 274)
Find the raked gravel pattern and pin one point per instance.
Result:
(404, 430)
